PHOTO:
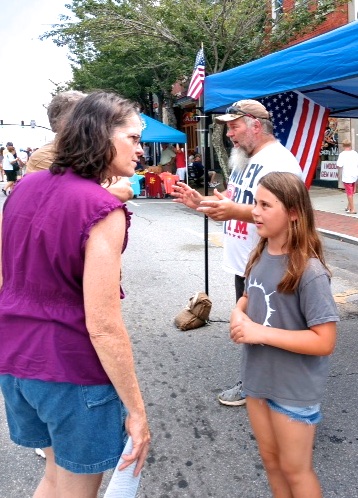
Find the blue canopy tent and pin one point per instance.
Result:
(324, 68)
(155, 131)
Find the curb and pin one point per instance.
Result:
(338, 236)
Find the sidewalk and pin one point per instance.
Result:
(331, 219)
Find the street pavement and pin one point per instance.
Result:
(201, 449)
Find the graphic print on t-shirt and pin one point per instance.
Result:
(262, 301)
(240, 190)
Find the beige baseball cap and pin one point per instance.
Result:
(240, 108)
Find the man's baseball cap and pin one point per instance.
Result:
(241, 108)
(9, 144)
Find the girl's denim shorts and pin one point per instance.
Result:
(307, 414)
(84, 425)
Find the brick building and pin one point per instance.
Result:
(335, 19)
(337, 128)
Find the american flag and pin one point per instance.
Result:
(299, 124)
(196, 83)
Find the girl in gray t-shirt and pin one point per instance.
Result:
(287, 321)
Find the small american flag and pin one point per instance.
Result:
(196, 83)
(299, 124)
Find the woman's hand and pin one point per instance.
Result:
(120, 188)
(137, 428)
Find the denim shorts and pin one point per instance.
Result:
(307, 414)
(83, 424)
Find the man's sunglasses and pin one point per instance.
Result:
(235, 110)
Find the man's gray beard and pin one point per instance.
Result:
(238, 159)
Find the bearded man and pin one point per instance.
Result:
(255, 153)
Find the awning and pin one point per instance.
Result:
(324, 68)
(155, 131)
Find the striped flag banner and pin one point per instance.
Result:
(196, 85)
(299, 124)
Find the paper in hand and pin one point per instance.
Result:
(123, 484)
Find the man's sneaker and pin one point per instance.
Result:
(233, 396)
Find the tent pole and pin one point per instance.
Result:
(206, 219)
(186, 163)
(204, 129)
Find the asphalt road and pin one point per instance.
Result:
(201, 449)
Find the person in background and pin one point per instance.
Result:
(212, 177)
(141, 165)
(180, 163)
(255, 153)
(167, 158)
(146, 150)
(286, 320)
(10, 167)
(140, 168)
(348, 161)
(58, 112)
(60, 298)
(199, 171)
(22, 160)
(1, 161)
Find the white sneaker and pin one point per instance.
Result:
(40, 453)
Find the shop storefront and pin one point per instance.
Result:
(327, 172)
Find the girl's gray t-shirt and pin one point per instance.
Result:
(273, 373)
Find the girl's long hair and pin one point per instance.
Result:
(303, 241)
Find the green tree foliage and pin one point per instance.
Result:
(142, 46)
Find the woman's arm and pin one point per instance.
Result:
(106, 328)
